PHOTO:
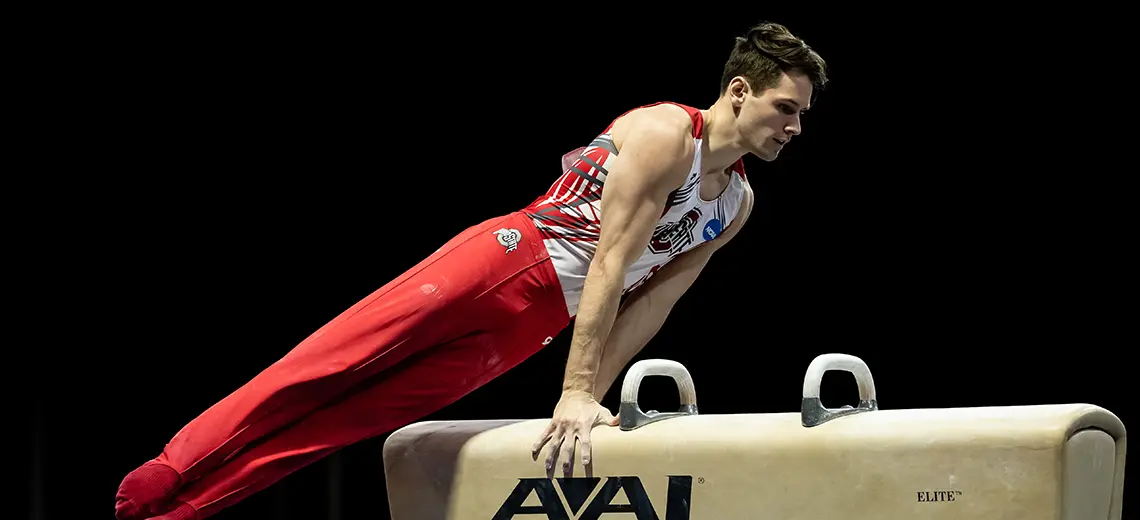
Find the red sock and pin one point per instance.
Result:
(145, 491)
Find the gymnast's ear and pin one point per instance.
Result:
(738, 90)
(570, 157)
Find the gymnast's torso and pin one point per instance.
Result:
(567, 215)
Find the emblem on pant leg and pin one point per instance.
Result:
(509, 238)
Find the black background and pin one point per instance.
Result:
(205, 189)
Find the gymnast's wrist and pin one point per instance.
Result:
(578, 385)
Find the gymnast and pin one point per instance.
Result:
(675, 192)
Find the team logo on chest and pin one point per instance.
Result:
(671, 238)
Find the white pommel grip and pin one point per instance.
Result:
(812, 411)
(630, 414)
(844, 362)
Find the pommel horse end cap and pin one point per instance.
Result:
(1034, 462)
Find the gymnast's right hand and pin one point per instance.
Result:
(575, 415)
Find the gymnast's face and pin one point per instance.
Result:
(768, 120)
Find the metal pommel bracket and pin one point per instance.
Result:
(812, 411)
(630, 413)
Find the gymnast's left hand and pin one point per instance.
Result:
(575, 416)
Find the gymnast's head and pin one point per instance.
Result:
(770, 79)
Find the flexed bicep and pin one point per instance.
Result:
(653, 161)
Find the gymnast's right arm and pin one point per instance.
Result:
(656, 152)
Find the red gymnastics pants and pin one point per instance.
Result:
(477, 307)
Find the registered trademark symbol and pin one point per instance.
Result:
(701, 480)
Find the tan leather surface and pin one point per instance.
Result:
(994, 463)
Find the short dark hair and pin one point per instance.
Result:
(768, 50)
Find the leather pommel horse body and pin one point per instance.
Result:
(1041, 462)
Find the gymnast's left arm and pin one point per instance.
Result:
(646, 309)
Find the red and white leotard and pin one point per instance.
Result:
(568, 215)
